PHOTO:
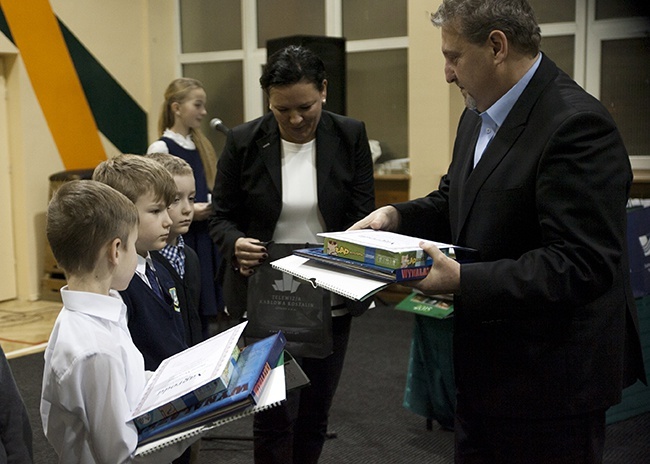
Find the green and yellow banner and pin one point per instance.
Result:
(77, 95)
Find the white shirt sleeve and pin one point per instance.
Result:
(158, 147)
(102, 409)
(105, 408)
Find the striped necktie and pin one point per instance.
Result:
(153, 281)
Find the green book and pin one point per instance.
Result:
(438, 306)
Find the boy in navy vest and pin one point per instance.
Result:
(155, 319)
(180, 260)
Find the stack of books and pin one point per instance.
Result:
(387, 274)
(359, 263)
(208, 385)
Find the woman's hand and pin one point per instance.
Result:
(249, 253)
(202, 211)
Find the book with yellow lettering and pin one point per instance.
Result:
(381, 248)
(371, 270)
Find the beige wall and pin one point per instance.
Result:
(137, 42)
(162, 49)
(33, 158)
(434, 105)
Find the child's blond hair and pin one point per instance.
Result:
(83, 217)
(135, 176)
(177, 92)
(175, 165)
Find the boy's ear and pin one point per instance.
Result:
(114, 247)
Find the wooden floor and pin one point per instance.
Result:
(25, 326)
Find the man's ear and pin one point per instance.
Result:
(499, 45)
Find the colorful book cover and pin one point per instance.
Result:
(202, 393)
(273, 394)
(251, 371)
(371, 270)
(382, 248)
(188, 377)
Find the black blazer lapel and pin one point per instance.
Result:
(462, 165)
(167, 285)
(270, 152)
(327, 147)
(505, 138)
(492, 156)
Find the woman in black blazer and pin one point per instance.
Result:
(286, 176)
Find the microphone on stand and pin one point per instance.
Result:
(218, 125)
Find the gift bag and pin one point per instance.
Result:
(638, 242)
(279, 301)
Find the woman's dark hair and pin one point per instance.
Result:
(293, 64)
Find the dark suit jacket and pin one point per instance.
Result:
(545, 323)
(247, 196)
(188, 290)
(155, 325)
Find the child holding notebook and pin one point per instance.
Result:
(93, 373)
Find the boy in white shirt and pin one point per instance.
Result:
(93, 373)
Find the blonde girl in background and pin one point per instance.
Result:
(180, 128)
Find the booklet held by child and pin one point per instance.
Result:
(188, 377)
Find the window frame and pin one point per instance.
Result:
(602, 30)
(253, 58)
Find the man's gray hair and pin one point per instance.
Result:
(475, 19)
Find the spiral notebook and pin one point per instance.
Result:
(273, 393)
(339, 281)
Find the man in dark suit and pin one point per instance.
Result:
(546, 331)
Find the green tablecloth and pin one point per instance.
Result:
(431, 391)
(430, 387)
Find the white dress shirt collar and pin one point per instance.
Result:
(184, 141)
(110, 307)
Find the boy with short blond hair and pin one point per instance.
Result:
(135, 176)
(94, 374)
(155, 319)
(175, 165)
(180, 260)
